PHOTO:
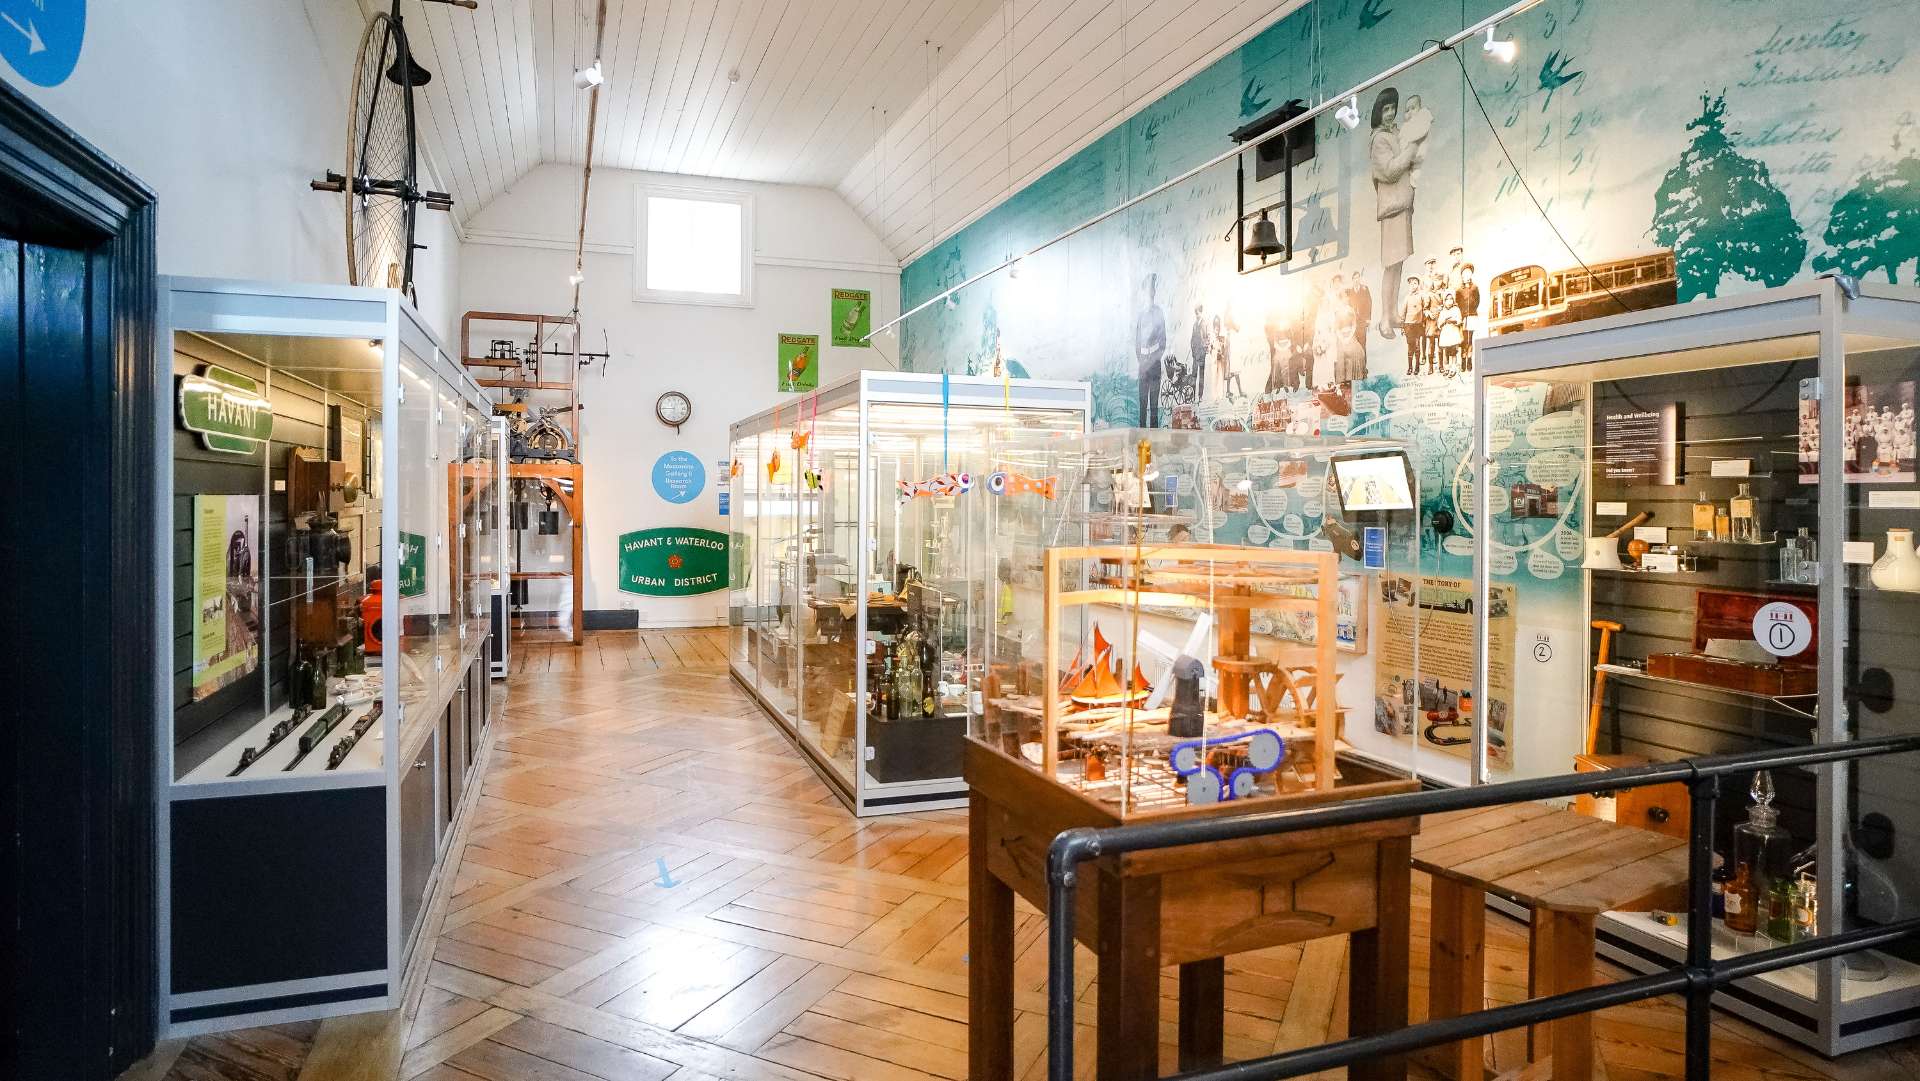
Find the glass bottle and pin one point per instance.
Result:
(1790, 560)
(1703, 512)
(1780, 904)
(1722, 877)
(1746, 526)
(300, 682)
(1761, 854)
(1742, 908)
(1722, 524)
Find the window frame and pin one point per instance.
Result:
(645, 295)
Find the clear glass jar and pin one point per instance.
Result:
(1762, 857)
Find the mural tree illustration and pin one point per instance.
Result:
(1722, 214)
(1876, 224)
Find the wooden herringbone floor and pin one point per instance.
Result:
(655, 885)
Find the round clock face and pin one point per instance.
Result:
(673, 408)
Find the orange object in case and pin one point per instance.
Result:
(370, 619)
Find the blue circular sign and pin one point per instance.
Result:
(678, 477)
(41, 38)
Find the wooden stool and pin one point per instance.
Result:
(1566, 868)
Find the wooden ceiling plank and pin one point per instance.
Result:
(753, 61)
(791, 52)
(862, 30)
(708, 91)
(652, 32)
(669, 38)
(453, 121)
(696, 38)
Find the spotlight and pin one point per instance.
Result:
(589, 77)
(576, 277)
(1503, 51)
(1349, 114)
(953, 301)
(1013, 269)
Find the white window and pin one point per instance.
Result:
(695, 246)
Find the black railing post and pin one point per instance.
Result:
(1064, 857)
(1705, 792)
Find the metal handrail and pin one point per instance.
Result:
(1697, 978)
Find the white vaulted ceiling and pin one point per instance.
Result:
(818, 81)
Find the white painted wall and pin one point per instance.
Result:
(808, 241)
(227, 108)
(1039, 80)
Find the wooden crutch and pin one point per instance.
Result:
(1607, 628)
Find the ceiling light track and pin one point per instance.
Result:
(1431, 50)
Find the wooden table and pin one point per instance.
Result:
(1566, 868)
(1190, 907)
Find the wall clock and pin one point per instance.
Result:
(674, 409)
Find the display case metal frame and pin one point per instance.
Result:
(409, 737)
(866, 796)
(1836, 315)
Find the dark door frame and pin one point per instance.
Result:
(79, 681)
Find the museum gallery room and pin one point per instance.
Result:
(983, 540)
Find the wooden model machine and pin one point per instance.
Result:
(538, 389)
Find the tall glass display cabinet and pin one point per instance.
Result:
(1731, 568)
(1180, 619)
(328, 540)
(854, 567)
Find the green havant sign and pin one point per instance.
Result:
(227, 409)
(413, 564)
(680, 561)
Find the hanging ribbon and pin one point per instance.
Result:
(946, 414)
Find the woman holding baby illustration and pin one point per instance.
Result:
(1392, 156)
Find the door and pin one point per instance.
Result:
(77, 739)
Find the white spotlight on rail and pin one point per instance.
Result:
(589, 77)
(1349, 114)
(1503, 51)
(576, 277)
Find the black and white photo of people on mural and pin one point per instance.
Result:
(1394, 154)
(1308, 347)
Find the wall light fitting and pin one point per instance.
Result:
(1349, 114)
(1503, 51)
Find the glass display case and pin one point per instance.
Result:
(1737, 478)
(855, 563)
(1160, 631)
(330, 495)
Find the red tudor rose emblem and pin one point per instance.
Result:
(675, 561)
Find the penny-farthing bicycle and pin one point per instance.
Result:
(383, 196)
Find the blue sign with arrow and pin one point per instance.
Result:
(41, 38)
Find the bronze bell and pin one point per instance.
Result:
(1266, 239)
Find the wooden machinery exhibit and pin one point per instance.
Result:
(536, 385)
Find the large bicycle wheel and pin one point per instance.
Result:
(382, 198)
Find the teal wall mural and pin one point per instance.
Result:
(1717, 145)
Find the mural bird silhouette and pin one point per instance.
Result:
(1253, 99)
(1554, 75)
(1371, 15)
